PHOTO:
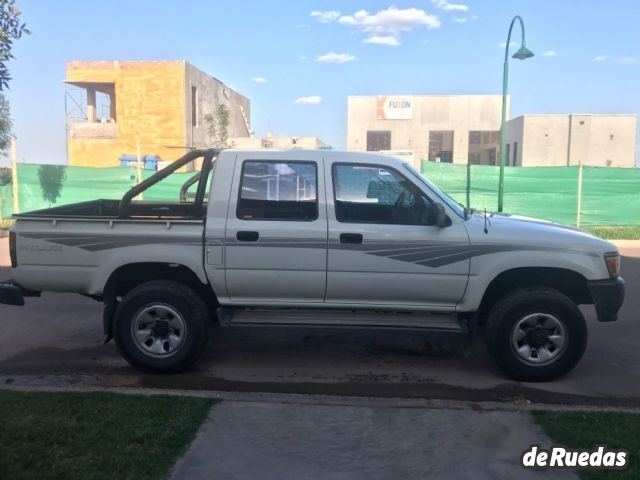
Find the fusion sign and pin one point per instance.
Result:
(394, 108)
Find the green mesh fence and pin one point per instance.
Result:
(169, 188)
(41, 186)
(610, 196)
(77, 184)
(6, 203)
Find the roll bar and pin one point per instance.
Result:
(207, 155)
(186, 185)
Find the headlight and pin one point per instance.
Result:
(613, 263)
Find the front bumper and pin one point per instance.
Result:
(608, 296)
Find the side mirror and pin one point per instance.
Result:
(438, 216)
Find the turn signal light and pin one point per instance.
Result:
(613, 263)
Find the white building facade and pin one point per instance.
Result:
(554, 140)
(466, 129)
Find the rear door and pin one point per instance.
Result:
(276, 232)
(382, 248)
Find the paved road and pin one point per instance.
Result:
(58, 339)
(245, 440)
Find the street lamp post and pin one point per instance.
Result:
(522, 54)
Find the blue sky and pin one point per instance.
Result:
(587, 56)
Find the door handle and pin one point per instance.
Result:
(247, 236)
(351, 238)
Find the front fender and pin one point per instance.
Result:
(485, 268)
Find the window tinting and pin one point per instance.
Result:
(278, 191)
(372, 194)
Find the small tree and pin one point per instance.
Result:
(51, 178)
(11, 28)
(218, 127)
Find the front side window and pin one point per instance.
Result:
(376, 194)
(272, 190)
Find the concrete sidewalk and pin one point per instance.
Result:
(247, 440)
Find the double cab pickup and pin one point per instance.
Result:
(315, 238)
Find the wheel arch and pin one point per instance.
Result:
(129, 276)
(568, 282)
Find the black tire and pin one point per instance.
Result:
(504, 318)
(167, 295)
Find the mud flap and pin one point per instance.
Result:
(468, 325)
(108, 316)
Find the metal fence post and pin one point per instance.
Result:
(139, 167)
(468, 185)
(579, 206)
(14, 175)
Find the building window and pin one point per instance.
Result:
(507, 154)
(441, 146)
(194, 106)
(105, 107)
(272, 190)
(515, 153)
(483, 146)
(378, 140)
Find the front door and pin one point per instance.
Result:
(383, 246)
(276, 233)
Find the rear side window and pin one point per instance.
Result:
(271, 190)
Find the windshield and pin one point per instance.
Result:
(443, 196)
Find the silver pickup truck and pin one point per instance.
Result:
(316, 238)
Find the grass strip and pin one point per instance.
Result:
(93, 436)
(586, 430)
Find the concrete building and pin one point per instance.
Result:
(554, 140)
(466, 129)
(447, 128)
(269, 141)
(158, 105)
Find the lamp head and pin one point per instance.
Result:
(523, 53)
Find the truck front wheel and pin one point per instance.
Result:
(536, 334)
(162, 327)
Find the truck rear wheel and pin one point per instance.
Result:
(162, 327)
(536, 334)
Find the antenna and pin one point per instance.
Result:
(485, 220)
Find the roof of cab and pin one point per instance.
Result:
(343, 155)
